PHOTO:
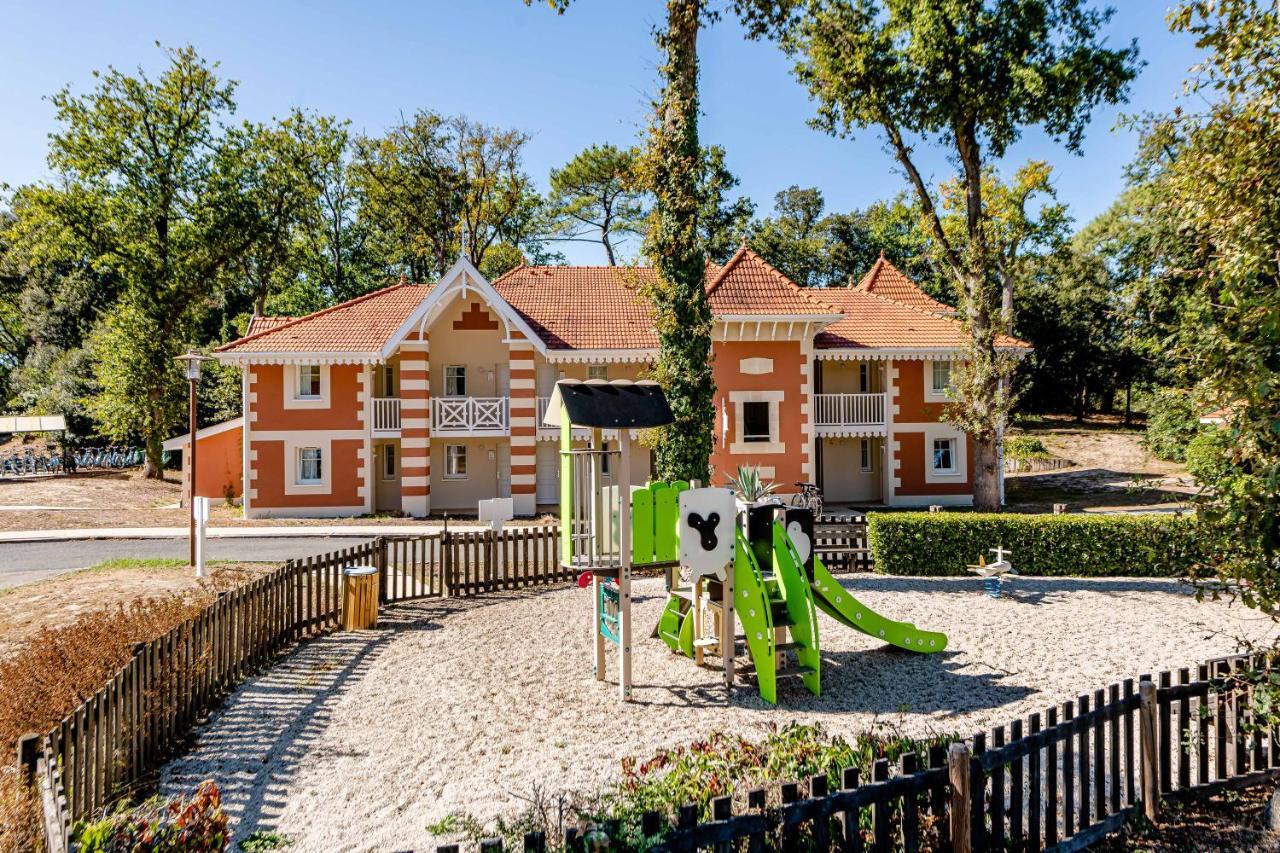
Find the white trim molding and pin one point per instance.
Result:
(293, 401)
(930, 394)
(960, 454)
(292, 448)
(601, 356)
(775, 443)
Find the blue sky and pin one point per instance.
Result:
(570, 81)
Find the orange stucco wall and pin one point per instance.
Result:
(346, 476)
(787, 377)
(268, 383)
(219, 464)
(910, 457)
(909, 396)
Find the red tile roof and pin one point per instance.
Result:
(265, 324)
(364, 324)
(601, 307)
(871, 320)
(884, 279)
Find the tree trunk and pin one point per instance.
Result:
(153, 463)
(608, 248)
(986, 474)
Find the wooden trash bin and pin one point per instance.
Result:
(360, 598)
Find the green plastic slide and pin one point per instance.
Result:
(836, 601)
(801, 612)
(756, 615)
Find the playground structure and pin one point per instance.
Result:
(752, 562)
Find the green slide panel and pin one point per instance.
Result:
(752, 607)
(795, 590)
(670, 621)
(840, 605)
(666, 514)
(641, 527)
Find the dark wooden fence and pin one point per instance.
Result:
(140, 718)
(1059, 780)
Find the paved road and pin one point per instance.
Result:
(23, 562)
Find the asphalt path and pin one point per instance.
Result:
(24, 562)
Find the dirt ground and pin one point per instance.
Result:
(94, 499)
(1227, 822)
(1111, 471)
(24, 610)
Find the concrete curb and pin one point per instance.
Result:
(269, 532)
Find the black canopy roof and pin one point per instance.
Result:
(620, 404)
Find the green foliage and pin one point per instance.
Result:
(695, 774)
(749, 486)
(595, 198)
(1173, 419)
(1208, 456)
(1214, 172)
(194, 824)
(970, 78)
(263, 841)
(672, 170)
(1025, 447)
(942, 544)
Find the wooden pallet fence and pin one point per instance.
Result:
(840, 541)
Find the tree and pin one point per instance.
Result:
(1216, 186)
(436, 186)
(968, 75)
(722, 223)
(137, 196)
(795, 239)
(673, 171)
(594, 198)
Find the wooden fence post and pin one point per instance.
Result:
(446, 561)
(1147, 734)
(958, 772)
(28, 755)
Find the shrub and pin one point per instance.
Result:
(55, 670)
(1172, 421)
(1207, 459)
(716, 766)
(194, 824)
(918, 543)
(1025, 447)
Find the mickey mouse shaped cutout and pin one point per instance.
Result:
(706, 531)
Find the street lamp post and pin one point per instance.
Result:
(191, 361)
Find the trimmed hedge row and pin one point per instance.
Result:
(921, 543)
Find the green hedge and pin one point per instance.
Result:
(921, 543)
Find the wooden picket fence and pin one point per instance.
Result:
(1060, 782)
(840, 541)
(115, 740)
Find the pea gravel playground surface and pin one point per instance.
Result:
(358, 741)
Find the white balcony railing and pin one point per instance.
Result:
(837, 413)
(543, 402)
(470, 415)
(386, 414)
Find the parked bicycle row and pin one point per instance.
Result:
(52, 460)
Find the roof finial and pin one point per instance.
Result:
(882, 254)
(404, 278)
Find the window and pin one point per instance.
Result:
(598, 371)
(944, 455)
(389, 462)
(455, 462)
(455, 381)
(388, 381)
(310, 465)
(941, 377)
(755, 422)
(864, 377)
(865, 451)
(309, 382)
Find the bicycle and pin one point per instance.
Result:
(809, 497)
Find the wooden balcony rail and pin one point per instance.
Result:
(470, 415)
(386, 414)
(849, 410)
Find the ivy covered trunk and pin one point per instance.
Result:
(682, 314)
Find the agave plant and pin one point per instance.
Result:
(749, 486)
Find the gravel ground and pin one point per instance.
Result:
(358, 741)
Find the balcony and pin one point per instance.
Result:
(844, 415)
(386, 415)
(478, 417)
